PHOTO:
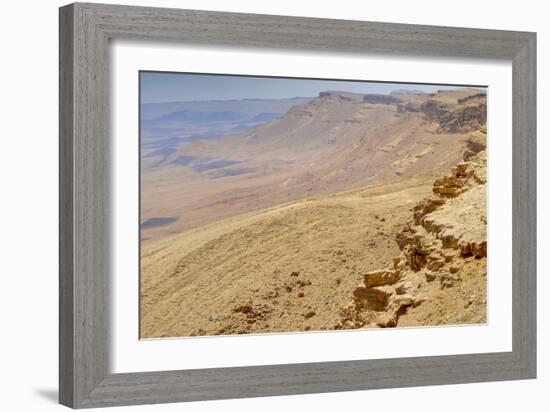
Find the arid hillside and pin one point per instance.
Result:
(418, 248)
(336, 142)
(288, 268)
(376, 218)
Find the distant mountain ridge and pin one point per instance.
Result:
(406, 92)
(164, 127)
(202, 117)
(337, 141)
(251, 106)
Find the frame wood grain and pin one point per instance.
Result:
(85, 31)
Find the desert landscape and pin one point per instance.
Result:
(342, 210)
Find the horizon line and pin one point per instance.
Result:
(481, 88)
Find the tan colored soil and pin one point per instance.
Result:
(288, 268)
(344, 193)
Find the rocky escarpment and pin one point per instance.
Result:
(342, 96)
(473, 97)
(467, 115)
(476, 142)
(442, 264)
(464, 118)
(407, 92)
(381, 99)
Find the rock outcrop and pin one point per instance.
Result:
(464, 118)
(445, 241)
(476, 142)
(381, 99)
(465, 115)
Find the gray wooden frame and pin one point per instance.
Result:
(85, 31)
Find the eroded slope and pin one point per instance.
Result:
(288, 268)
(440, 275)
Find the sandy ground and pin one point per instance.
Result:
(346, 177)
(287, 268)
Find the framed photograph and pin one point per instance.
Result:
(256, 205)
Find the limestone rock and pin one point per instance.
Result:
(430, 276)
(448, 280)
(387, 320)
(370, 298)
(425, 207)
(381, 277)
(446, 229)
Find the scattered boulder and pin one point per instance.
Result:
(453, 269)
(243, 309)
(380, 277)
(310, 314)
(370, 298)
(430, 276)
(387, 320)
(448, 280)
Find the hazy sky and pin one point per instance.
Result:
(170, 87)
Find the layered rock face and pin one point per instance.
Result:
(466, 117)
(381, 99)
(439, 276)
(469, 114)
